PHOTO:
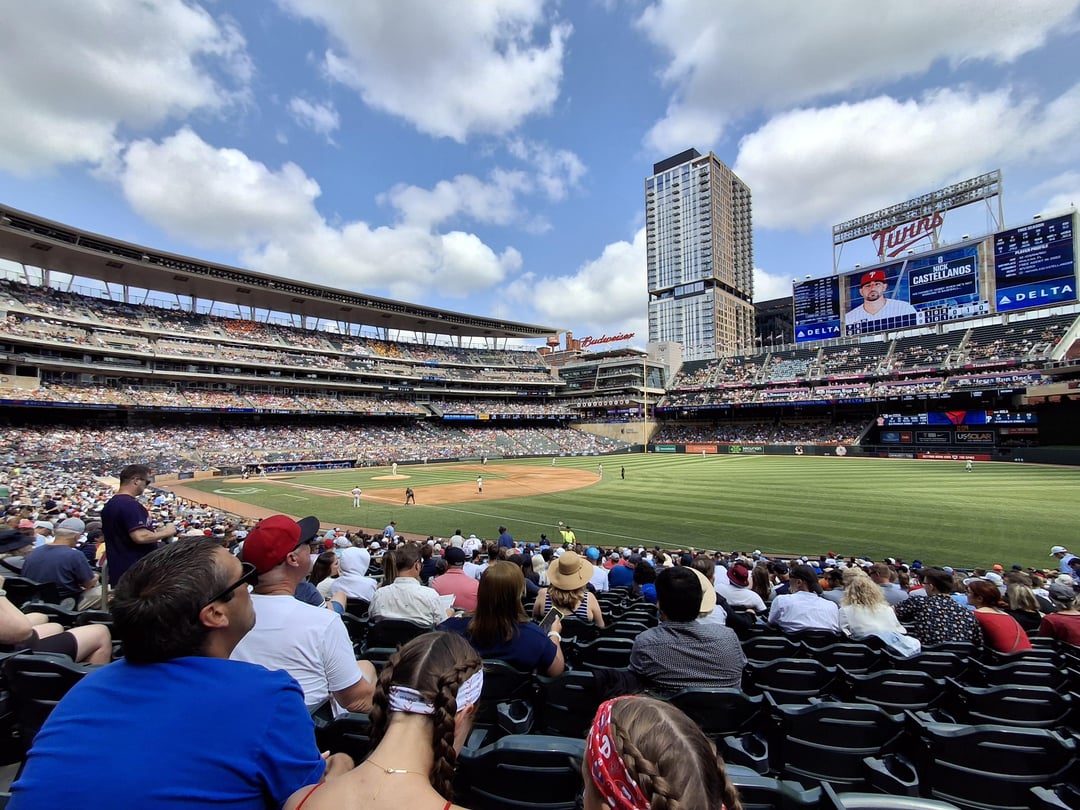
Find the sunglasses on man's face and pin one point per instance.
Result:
(248, 576)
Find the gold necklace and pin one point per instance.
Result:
(392, 770)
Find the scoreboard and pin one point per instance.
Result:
(817, 309)
(1034, 265)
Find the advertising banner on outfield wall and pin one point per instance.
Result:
(701, 448)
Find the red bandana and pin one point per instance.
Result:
(609, 774)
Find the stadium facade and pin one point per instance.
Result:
(699, 256)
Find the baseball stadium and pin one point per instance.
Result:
(313, 430)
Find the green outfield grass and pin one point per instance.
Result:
(932, 511)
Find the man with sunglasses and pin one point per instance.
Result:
(182, 724)
(129, 534)
(310, 643)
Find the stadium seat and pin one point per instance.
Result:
(522, 772)
(1021, 706)
(21, 590)
(815, 639)
(358, 628)
(789, 680)
(965, 649)
(566, 704)
(37, 682)
(394, 632)
(504, 684)
(827, 742)
(728, 717)
(987, 767)
(357, 607)
(578, 630)
(831, 800)
(894, 690)
(1057, 797)
(625, 629)
(852, 656)
(348, 733)
(936, 663)
(610, 653)
(759, 649)
(1018, 673)
(759, 792)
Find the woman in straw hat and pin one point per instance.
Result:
(569, 575)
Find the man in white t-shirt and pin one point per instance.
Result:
(310, 643)
(356, 493)
(875, 306)
(734, 585)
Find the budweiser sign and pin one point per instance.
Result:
(588, 341)
(890, 242)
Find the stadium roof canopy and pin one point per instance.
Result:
(38, 242)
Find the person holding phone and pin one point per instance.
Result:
(569, 576)
(500, 629)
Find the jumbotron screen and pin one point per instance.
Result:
(1035, 265)
(925, 289)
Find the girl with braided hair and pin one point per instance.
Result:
(645, 754)
(423, 712)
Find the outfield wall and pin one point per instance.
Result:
(1069, 456)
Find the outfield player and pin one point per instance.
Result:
(356, 493)
(968, 465)
(875, 306)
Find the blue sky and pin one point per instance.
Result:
(489, 156)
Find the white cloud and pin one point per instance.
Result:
(220, 197)
(1058, 194)
(491, 202)
(556, 170)
(813, 167)
(768, 286)
(216, 197)
(73, 74)
(606, 294)
(450, 69)
(320, 118)
(727, 57)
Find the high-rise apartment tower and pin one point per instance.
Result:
(700, 256)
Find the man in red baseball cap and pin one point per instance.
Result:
(310, 643)
(875, 306)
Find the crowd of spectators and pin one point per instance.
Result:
(171, 449)
(810, 432)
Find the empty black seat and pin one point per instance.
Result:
(525, 772)
(852, 656)
(394, 632)
(761, 648)
(1023, 706)
(37, 682)
(789, 680)
(565, 705)
(827, 741)
(988, 766)
(894, 690)
(605, 653)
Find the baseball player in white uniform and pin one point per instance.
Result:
(875, 306)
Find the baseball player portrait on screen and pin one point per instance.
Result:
(876, 306)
